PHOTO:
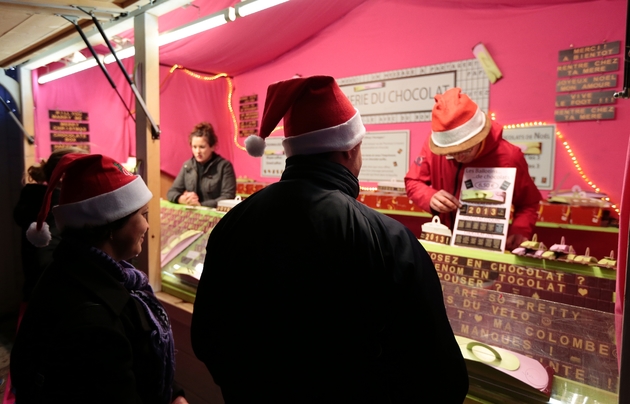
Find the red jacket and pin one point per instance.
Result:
(430, 172)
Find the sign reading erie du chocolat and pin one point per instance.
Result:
(511, 306)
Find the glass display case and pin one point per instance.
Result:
(185, 230)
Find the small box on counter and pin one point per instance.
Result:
(388, 201)
(590, 216)
(247, 186)
(554, 212)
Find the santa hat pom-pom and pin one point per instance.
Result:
(255, 145)
(39, 238)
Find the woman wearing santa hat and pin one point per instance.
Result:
(94, 332)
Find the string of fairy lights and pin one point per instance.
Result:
(570, 152)
(230, 92)
(559, 135)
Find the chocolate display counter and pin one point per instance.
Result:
(184, 234)
(557, 313)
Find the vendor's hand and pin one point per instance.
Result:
(180, 400)
(188, 198)
(443, 202)
(513, 241)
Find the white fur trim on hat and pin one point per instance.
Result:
(41, 237)
(462, 133)
(104, 208)
(342, 137)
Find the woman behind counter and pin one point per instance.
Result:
(207, 177)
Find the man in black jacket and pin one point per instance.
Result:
(307, 295)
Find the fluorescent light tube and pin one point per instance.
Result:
(123, 54)
(197, 26)
(66, 71)
(248, 7)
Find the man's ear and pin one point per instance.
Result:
(352, 152)
(347, 155)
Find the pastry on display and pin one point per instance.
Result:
(609, 261)
(532, 244)
(569, 257)
(530, 247)
(561, 248)
(586, 259)
(482, 196)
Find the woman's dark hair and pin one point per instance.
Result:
(42, 173)
(204, 129)
(96, 235)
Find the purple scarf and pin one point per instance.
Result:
(137, 284)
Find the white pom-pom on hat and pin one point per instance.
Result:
(255, 145)
(39, 238)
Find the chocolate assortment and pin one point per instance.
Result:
(560, 318)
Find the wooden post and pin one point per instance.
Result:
(147, 80)
(28, 115)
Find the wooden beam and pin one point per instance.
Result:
(32, 50)
(100, 6)
(147, 148)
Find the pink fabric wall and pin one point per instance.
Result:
(184, 102)
(383, 35)
(112, 131)
(380, 35)
(376, 36)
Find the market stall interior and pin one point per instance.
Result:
(556, 65)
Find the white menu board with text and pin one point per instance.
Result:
(486, 197)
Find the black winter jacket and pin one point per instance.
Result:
(218, 182)
(309, 296)
(83, 339)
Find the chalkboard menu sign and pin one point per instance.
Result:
(69, 137)
(595, 66)
(248, 115)
(573, 63)
(585, 99)
(585, 114)
(67, 115)
(589, 52)
(587, 83)
(69, 129)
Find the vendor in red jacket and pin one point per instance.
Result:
(463, 136)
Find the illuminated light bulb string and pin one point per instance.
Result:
(569, 151)
(212, 78)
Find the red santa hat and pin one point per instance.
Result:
(457, 123)
(318, 117)
(95, 190)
